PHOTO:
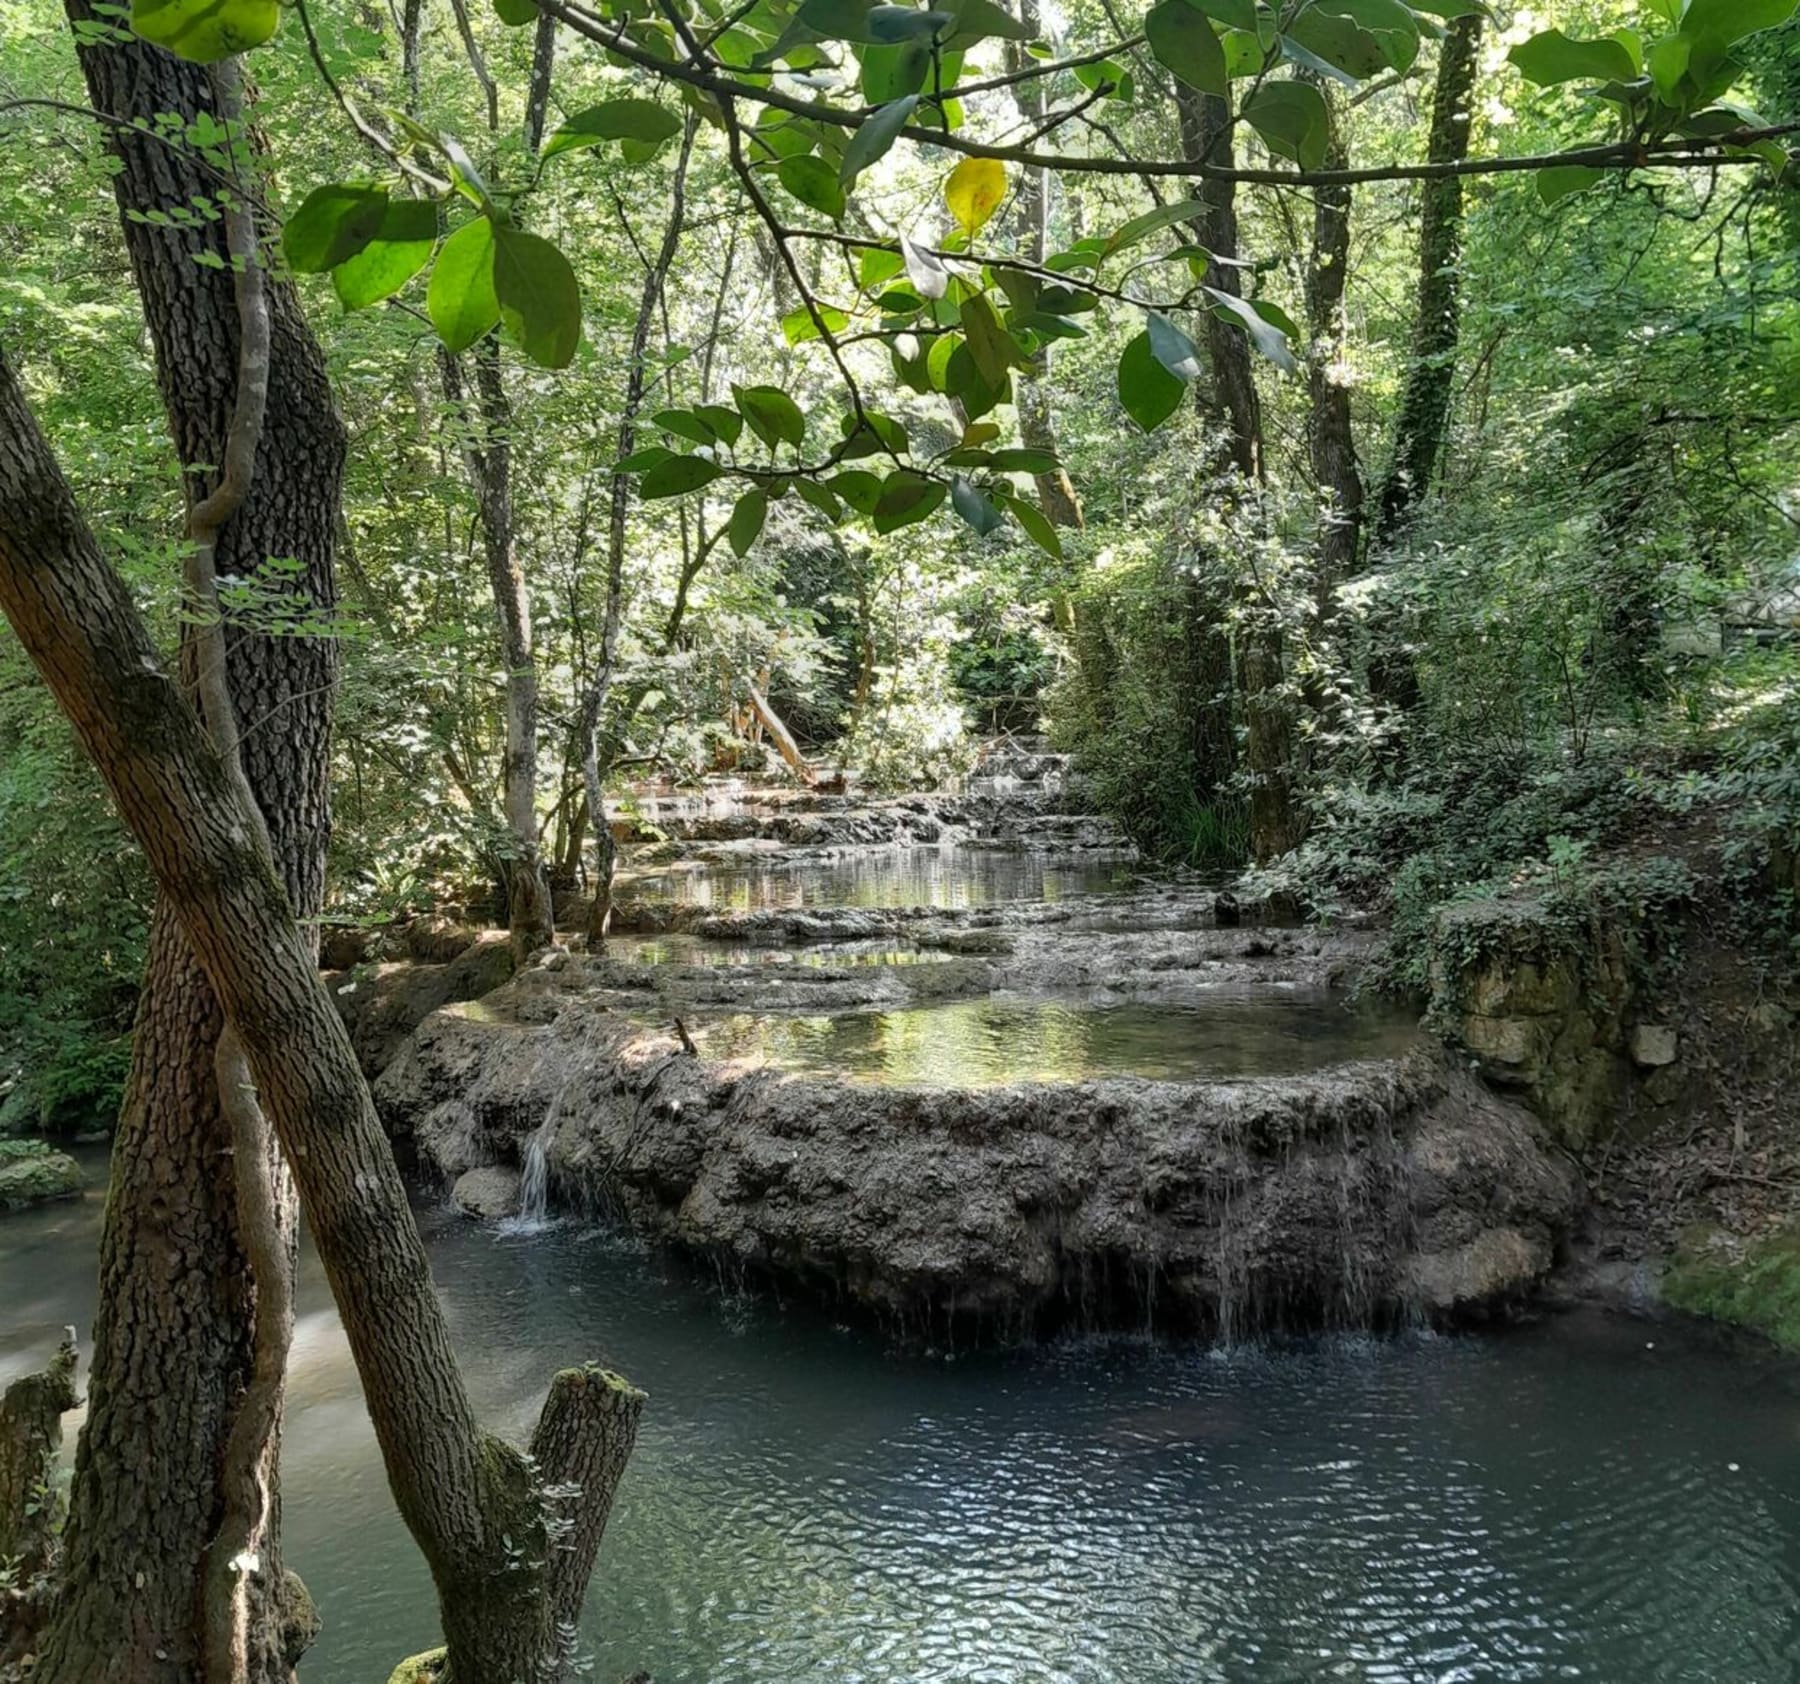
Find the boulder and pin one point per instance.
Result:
(32, 1173)
(1654, 1045)
(489, 1193)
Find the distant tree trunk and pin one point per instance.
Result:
(479, 1509)
(594, 695)
(1425, 399)
(172, 1338)
(1257, 640)
(1330, 441)
(1037, 420)
(487, 456)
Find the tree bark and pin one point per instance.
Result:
(1330, 440)
(172, 1339)
(473, 1503)
(31, 1415)
(1425, 399)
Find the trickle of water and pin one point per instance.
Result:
(534, 1181)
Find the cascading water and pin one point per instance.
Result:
(534, 1181)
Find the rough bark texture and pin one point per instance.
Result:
(1425, 402)
(472, 1502)
(171, 1340)
(1330, 441)
(31, 1415)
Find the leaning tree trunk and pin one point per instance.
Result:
(479, 1509)
(1425, 400)
(172, 1337)
(1257, 633)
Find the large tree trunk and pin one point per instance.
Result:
(476, 1506)
(172, 1345)
(1425, 401)
(1257, 634)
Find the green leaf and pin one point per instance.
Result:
(1293, 120)
(746, 523)
(814, 183)
(463, 173)
(974, 508)
(1668, 62)
(1184, 43)
(821, 498)
(1022, 459)
(980, 20)
(890, 26)
(684, 424)
(205, 31)
(540, 301)
(724, 420)
(1151, 222)
(1172, 348)
(1551, 57)
(618, 119)
(1721, 22)
(859, 488)
(678, 475)
(1233, 14)
(773, 416)
(876, 265)
(798, 326)
(1343, 45)
(640, 460)
(839, 20)
(906, 498)
(1561, 181)
(873, 139)
(515, 14)
(989, 344)
(401, 248)
(1264, 334)
(891, 73)
(1149, 392)
(332, 226)
(461, 300)
(1392, 25)
(1037, 525)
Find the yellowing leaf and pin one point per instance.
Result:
(974, 191)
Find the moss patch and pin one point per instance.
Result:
(418, 1669)
(1753, 1284)
(31, 1173)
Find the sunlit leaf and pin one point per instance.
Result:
(1172, 348)
(1264, 334)
(617, 119)
(1292, 119)
(401, 248)
(539, 298)
(974, 191)
(1560, 181)
(1550, 57)
(678, 475)
(906, 498)
(205, 31)
(460, 298)
(773, 416)
(814, 183)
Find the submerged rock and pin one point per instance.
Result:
(1364, 1194)
(32, 1173)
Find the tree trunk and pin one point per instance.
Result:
(1330, 441)
(474, 1504)
(1425, 400)
(172, 1348)
(31, 1415)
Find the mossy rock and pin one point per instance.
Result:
(418, 1669)
(1753, 1284)
(32, 1173)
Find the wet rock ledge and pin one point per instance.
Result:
(1363, 1195)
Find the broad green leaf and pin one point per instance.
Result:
(820, 497)
(839, 20)
(924, 270)
(975, 508)
(876, 265)
(746, 523)
(891, 26)
(618, 119)
(1037, 526)
(974, 191)
(891, 73)
(773, 416)
(540, 301)
(980, 20)
(978, 433)
(798, 326)
(401, 248)
(1560, 181)
(1022, 459)
(332, 226)
(859, 488)
(814, 183)
(1668, 62)
(1264, 334)
(205, 31)
(1172, 348)
(1233, 14)
(515, 14)
(464, 174)
(641, 460)
(1342, 45)
(724, 420)
(678, 475)
(1149, 392)
(460, 299)
(684, 424)
(1392, 24)
(1152, 221)
(872, 140)
(993, 351)
(1184, 43)
(1293, 120)
(965, 380)
(1551, 57)
(906, 498)
(1724, 21)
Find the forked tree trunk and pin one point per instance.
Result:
(171, 1350)
(476, 1506)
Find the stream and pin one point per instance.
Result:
(1584, 1498)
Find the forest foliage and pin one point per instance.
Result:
(923, 427)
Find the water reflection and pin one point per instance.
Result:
(884, 877)
(990, 1042)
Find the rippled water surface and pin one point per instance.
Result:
(807, 1507)
(988, 1042)
(944, 877)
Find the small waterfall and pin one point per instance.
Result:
(534, 1181)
